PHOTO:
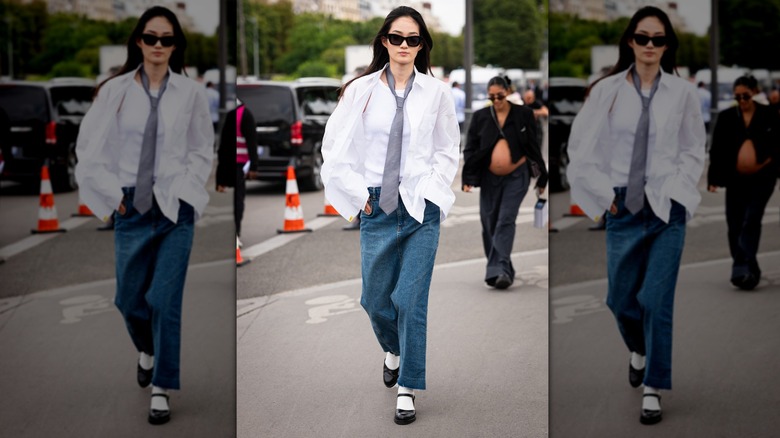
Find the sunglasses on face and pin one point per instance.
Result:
(494, 97)
(151, 40)
(396, 40)
(642, 40)
(743, 96)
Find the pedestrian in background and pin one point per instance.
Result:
(213, 96)
(145, 164)
(459, 96)
(637, 152)
(744, 159)
(237, 157)
(502, 149)
(390, 154)
(540, 112)
(705, 97)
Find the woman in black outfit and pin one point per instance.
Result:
(501, 154)
(744, 159)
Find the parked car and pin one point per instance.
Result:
(566, 96)
(291, 118)
(44, 119)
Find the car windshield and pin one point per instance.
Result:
(566, 101)
(72, 101)
(318, 101)
(270, 105)
(24, 103)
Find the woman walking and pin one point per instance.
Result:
(501, 149)
(145, 149)
(637, 152)
(744, 159)
(390, 154)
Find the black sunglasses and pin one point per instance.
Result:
(151, 40)
(743, 96)
(396, 40)
(658, 41)
(493, 97)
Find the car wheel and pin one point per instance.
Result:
(64, 175)
(313, 182)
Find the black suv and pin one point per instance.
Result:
(290, 118)
(44, 123)
(566, 98)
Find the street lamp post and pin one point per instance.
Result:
(10, 49)
(468, 57)
(255, 46)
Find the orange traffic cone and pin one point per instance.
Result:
(574, 209)
(47, 213)
(329, 210)
(83, 210)
(293, 213)
(240, 261)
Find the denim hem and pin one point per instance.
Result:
(658, 383)
(166, 383)
(412, 383)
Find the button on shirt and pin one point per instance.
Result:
(377, 120)
(131, 125)
(622, 125)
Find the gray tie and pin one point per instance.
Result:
(142, 200)
(635, 193)
(388, 199)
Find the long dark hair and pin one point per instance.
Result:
(380, 56)
(626, 54)
(134, 54)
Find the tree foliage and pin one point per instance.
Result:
(508, 33)
(571, 39)
(64, 44)
(749, 33)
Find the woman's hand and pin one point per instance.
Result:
(367, 208)
(467, 188)
(712, 189)
(121, 208)
(539, 191)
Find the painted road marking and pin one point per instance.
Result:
(76, 308)
(329, 305)
(283, 239)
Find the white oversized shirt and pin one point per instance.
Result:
(431, 160)
(623, 120)
(675, 163)
(377, 120)
(185, 156)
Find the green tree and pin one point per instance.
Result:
(508, 33)
(749, 34)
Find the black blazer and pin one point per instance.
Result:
(730, 132)
(226, 156)
(520, 130)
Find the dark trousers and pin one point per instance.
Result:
(240, 194)
(499, 203)
(746, 199)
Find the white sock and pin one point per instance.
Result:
(159, 403)
(405, 403)
(392, 361)
(637, 361)
(146, 361)
(651, 403)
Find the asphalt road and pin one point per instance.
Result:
(725, 340)
(68, 364)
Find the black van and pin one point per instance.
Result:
(44, 123)
(290, 118)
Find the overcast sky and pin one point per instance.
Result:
(205, 13)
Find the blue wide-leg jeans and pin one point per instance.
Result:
(643, 260)
(152, 254)
(397, 255)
